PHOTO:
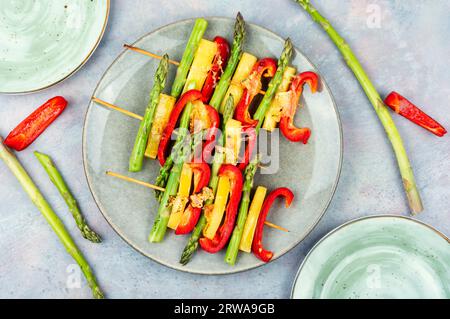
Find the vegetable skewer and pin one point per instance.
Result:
(151, 186)
(55, 223)
(176, 63)
(58, 181)
(137, 155)
(409, 183)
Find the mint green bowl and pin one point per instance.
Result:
(376, 257)
(44, 42)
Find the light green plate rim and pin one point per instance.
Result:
(343, 228)
(88, 56)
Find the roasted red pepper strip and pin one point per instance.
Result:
(211, 135)
(406, 109)
(287, 126)
(191, 215)
(250, 133)
(187, 97)
(219, 64)
(252, 84)
(257, 246)
(30, 128)
(224, 232)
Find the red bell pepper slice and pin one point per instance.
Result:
(187, 97)
(189, 219)
(30, 128)
(211, 135)
(264, 67)
(405, 108)
(202, 174)
(287, 126)
(250, 132)
(257, 246)
(219, 64)
(223, 234)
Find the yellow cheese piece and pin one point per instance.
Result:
(274, 113)
(233, 140)
(214, 219)
(181, 200)
(252, 219)
(201, 64)
(162, 114)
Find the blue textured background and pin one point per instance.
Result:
(408, 53)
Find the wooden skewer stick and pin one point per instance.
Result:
(155, 56)
(116, 108)
(148, 185)
(276, 226)
(132, 180)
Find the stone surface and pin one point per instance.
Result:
(408, 52)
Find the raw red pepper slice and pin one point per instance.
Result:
(223, 234)
(190, 216)
(30, 128)
(405, 108)
(264, 67)
(287, 126)
(211, 135)
(187, 97)
(202, 174)
(250, 133)
(257, 246)
(219, 64)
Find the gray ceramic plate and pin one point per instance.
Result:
(311, 171)
(46, 41)
(388, 257)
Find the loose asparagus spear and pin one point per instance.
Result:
(137, 155)
(188, 56)
(236, 53)
(192, 245)
(406, 172)
(233, 245)
(56, 224)
(58, 181)
(283, 62)
(160, 225)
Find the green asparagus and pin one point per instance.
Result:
(58, 181)
(192, 245)
(44, 207)
(233, 245)
(235, 56)
(406, 172)
(188, 56)
(283, 62)
(159, 82)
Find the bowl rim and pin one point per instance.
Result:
(77, 68)
(181, 267)
(343, 226)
